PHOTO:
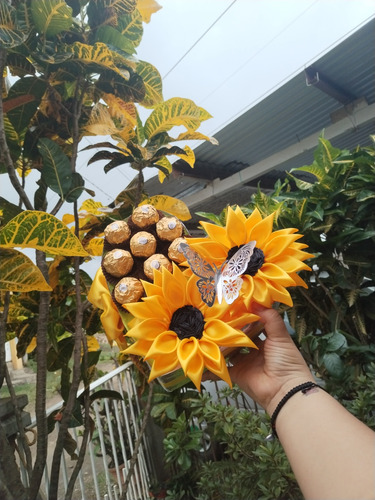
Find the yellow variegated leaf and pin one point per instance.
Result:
(53, 272)
(153, 84)
(173, 112)
(163, 162)
(95, 247)
(189, 157)
(30, 348)
(100, 122)
(168, 204)
(68, 219)
(196, 136)
(204, 115)
(42, 231)
(51, 16)
(121, 110)
(92, 207)
(92, 344)
(19, 274)
(147, 8)
(95, 54)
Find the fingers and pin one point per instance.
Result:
(273, 323)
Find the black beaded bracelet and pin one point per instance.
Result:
(299, 388)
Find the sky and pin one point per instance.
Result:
(225, 55)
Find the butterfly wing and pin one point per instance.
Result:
(198, 265)
(207, 289)
(229, 288)
(238, 263)
(229, 282)
(203, 269)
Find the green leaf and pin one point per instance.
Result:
(57, 170)
(365, 194)
(76, 188)
(51, 16)
(8, 210)
(112, 37)
(325, 154)
(21, 115)
(336, 342)
(106, 393)
(42, 231)
(19, 274)
(334, 364)
(314, 169)
(12, 33)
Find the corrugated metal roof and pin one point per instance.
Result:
(286, 117)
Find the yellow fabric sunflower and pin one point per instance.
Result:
(275, 262)
(174, 328)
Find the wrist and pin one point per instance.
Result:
(287, 386)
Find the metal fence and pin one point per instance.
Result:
(117, 428)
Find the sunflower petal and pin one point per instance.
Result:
(165, 343)
(140, 348)
(162, 365)
(191, 360)
(235, 228)
(273, 273)
(222, 334)
(147, 329)
(262, 230)
(174, 286)
(214, 360)
(150, 307)
(216, 233)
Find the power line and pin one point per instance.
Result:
(199, 39)
(258, 51)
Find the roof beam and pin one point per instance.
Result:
(316, 79)
(218, 188)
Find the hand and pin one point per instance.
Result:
(269, 373)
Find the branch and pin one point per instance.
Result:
(3, 323)
(21, 431)
(41, 375)
(4, 149)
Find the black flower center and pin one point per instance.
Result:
(187, 322)
(256, 260)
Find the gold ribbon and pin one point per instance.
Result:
(111, 320)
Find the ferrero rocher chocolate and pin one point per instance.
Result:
(117, 232)
(145, 215)
(142, 244)
(128, 290)
(169, 228)
(175, 252)
(118, 262)
(156, 261)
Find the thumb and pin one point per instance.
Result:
(273, 323)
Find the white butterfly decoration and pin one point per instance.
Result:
(224, 282)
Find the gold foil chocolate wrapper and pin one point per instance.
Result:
(175, 252)
(169, 228)
(117, 232)
(118, 262)
(142, 244)
(128, 290)
(145, 215)
(156, 261)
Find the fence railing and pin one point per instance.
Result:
(116, 430)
